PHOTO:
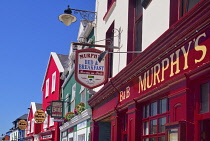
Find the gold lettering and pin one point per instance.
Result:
(175, 63)
(185, 53)
(164, 67)
(142, 83)
(148, 78)
(156, 73)
(128, 92)
(122, 96)
(200, 48)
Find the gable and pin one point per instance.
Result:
(54, 63)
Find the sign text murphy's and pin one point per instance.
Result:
(184, 59)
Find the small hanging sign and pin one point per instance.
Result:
(39, 116)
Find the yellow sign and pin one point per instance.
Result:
(22, 124)
(39, 116)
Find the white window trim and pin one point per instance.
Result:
(45, 123)
(47, 88)
(29, 127)
(66, 103)
(51, 121)
(32, 125)
(73, 97)
(83, 95)
(53, 81)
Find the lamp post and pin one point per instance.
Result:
(67, 18)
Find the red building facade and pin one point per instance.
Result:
(33, 129)
(163, 94)
(51, 92)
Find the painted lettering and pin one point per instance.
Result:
(200, 48)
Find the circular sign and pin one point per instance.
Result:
(39, 116)
(22, 124)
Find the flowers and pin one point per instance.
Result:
(80, 108)
(69, 115)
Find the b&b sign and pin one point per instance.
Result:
(89, 72)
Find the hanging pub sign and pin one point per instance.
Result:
(48, 109)
(22, 124)
(39, 116)
(57, 109)
(89, 72)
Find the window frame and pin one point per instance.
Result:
(53, 82)
(178, 10)
(47, 88)
(146, 120)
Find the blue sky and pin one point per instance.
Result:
(29, 31)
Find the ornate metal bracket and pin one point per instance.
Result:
(87, 15)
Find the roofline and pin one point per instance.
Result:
(58, 64)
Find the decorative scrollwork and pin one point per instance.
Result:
(87, 15)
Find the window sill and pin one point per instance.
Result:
(109, 11)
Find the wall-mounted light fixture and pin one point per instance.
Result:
(67, 18)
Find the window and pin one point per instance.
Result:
(47, 88)
(29, 127)
(180, 7)
(51, 121)
(73, 97)
(66, 104)
(155, 116)
(53, 81)
(186, 6)
(81, 137)
(138, 26)
(110, 41)
(109, 4)
(32, 125)
(45, 124)
(204, 98)
(83, 94)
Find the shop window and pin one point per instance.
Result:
(81, 137)
(155, 116)
(204, 98)
(153, 109)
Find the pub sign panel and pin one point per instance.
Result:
(89, 72)
(57, 109)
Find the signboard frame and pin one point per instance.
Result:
(41, 120)
(57, 106)
(20, 124)
(88, 71)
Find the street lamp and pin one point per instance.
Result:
(67, 18)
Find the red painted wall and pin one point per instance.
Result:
(51, 68)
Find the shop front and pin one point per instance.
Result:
(78, 128)
(47, 136)
(164, 93)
